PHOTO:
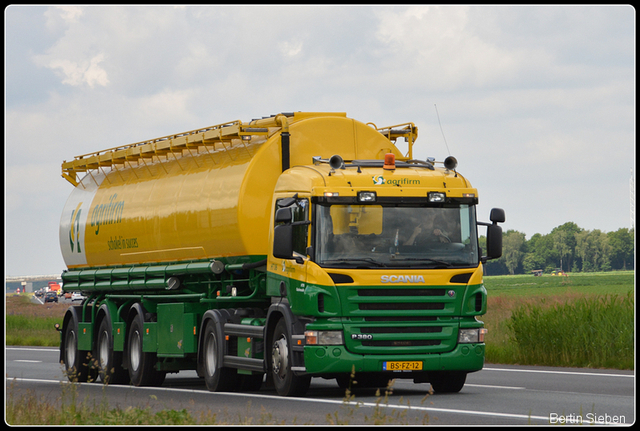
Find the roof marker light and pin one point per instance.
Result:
(366, 196)
(389, 161)
(436, 197)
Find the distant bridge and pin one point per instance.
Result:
(27, 278)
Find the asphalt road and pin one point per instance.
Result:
(497, 395)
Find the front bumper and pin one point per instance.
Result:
(336, 359)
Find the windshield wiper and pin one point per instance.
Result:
(355, 259)
(423, 259)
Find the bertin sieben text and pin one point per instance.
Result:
(589, 418)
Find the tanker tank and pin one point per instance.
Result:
(199, 195)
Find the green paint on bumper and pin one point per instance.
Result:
(336, 359)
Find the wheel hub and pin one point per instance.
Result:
(280, 355)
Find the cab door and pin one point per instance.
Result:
(290, 239)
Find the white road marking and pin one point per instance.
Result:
(316, 400)
(577, 373)
(43, 349)
(495, 387)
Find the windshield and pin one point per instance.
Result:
(377, 236)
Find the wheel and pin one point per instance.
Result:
(363, 380)
(142, 370)
(285, 381)
(216, 377)
(76, 362)
(109, 362)
(447, 382)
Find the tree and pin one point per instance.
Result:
(564, 242)
(540, 253)
(593, 247)
(567, 246)
(621, 242)
(512, 249)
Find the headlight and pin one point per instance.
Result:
(324, 338)
(476, 335)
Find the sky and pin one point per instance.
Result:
(537, 103)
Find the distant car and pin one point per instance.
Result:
(75, 296)
(50, 297)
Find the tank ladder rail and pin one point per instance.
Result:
(408, 131)
(174, 144)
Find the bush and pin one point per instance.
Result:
(595, 332)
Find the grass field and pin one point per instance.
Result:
(587, 306)
(29, 324)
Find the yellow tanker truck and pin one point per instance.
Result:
(294, 246)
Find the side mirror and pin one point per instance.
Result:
(283, 240)
(497, 215)
(494, 241)
(494, 234)
(284, 215)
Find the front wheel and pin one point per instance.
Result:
(285, 381)
(447, 382)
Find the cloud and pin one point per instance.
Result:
(439, 48)
(76, 73)
(61, 16)
(289, 48)
(74, 57)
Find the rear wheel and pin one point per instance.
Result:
(142, 370)
(285, 381)
(217, 378)
(109, 362)
(76, 362)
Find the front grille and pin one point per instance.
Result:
(400, 343)
(400, 318)
(403, 306)
(404, 330)
(410, 319)
(401, 292)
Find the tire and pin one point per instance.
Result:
(110, 368)
(285, 381)
(142, 370)
(216, 377)
(447, 382)
(363, 380)
(76, 362)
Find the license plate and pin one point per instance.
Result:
(402, 366)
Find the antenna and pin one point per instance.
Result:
(632, 198)
(442, 131)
